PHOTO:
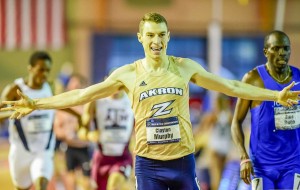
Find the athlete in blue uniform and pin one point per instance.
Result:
(274, 151)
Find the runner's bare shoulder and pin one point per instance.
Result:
(253, 77)
(10, 92)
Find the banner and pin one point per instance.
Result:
(26, 24)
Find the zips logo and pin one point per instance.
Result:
(162, 108)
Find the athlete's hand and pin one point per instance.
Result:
(21, 107)
(288, 98)
(82, 133)
(93, 136)
(246, 171)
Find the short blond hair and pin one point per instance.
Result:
(151, 17)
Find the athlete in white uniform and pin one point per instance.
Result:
(31, 138)
(112, 161)
(115, 119)
(220, 142)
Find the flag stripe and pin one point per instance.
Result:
(63, 24)
(49, 21)
(41, 23)
(18, 23)
(2, 22)
(10, 36)
(33, 16)
(57, 23)
(26, 36)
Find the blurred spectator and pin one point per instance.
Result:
(216, 126)
(77, 151)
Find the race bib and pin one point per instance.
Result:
(162, 130)
(287, 118)
(257, 184)
(115, 134)
(110, 149)
(38, 124)
(296, 181)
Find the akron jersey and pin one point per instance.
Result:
(161, 106)
(35, 130)
(115, 120)
(274, 139)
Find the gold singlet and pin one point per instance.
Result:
(161, 106)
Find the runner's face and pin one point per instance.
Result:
(155, 38)
(279, 51)
(40, 72)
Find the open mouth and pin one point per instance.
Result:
(282, 62)
(156, 49)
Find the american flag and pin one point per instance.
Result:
(26, 24)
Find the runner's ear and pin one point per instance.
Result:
(139, 36)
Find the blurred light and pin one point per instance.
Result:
(243, 2)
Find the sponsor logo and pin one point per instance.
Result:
(143, 83)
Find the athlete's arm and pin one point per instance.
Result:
(236, 88)
(237, 133)
(9, 93)
(207, 121)
(86, 117)
(80, 96)
(238, 137)
(88, 114)
(5, 115)
(71, 98)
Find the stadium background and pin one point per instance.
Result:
(97, 35)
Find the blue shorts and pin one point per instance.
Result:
(288, 178)
(178, 174)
